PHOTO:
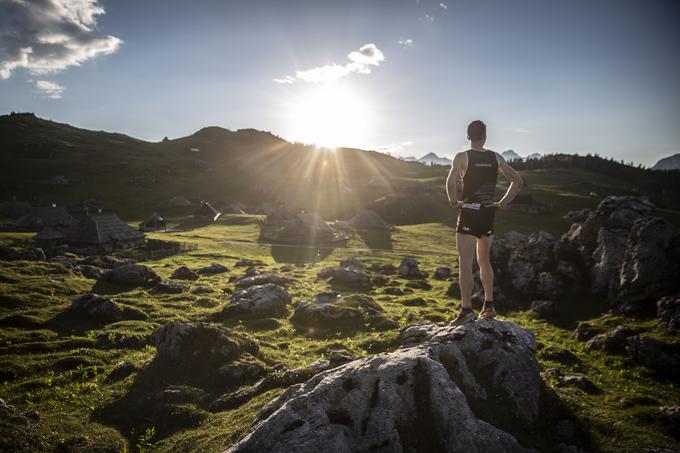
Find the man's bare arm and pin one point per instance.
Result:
(516, 181)
(457, 169)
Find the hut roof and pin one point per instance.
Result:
(14, 209)
(51, 216)
(314, 222)
(207, 210)
(368, 220)
(102, 228)
(154, 219)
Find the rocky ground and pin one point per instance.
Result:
(226, 348)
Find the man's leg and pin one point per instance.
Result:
(485, 269)
(466, 249)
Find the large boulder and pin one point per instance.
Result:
(340, 312)
(472, 388)
(214, 268)
(132, 275)
(184, 345)
(350, 277)
(259, 301)
(97, 308)
(612, 342)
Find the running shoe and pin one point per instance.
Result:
(488, 312)
(464, 317)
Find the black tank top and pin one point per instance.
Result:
(479, 181)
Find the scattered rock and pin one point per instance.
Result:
(32, 415)
(350, 278)
(193, 347)
(258, 301)
(214, 268)
(408, 268)
(97, 308)
(454, 290)
(559, 355)
(581, 382)
(419, 284)
(668, 312)
(544, 308)
(91, 272)
(431, 395)
(340, 312)
(415, 302)
(664, 358)
(201, 289)
(184, 273)
(384, 268)
(442, 273)
(132, 275)
(585, 331)
(396, 291)
(612, 342)
(245, 262)
(263, 279)
(352, 263)
(379, 281)
(28, 254)
(169, 288)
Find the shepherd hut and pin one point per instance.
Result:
(43, 217)
(105, 232)
(154, 223)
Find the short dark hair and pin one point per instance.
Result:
(476, 130)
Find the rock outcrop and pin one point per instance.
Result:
(258, 301)
(132, 275)
(471, 388)
(184, 273)
(340, 312)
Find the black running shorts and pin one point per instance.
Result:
(476, 219)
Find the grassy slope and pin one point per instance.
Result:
(618, 419)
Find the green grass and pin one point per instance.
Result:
(61, 371)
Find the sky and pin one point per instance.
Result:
(400, 76)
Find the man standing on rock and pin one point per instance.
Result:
(478, 170)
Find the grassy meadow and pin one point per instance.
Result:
(59, 369)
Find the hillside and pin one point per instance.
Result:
(217, 164)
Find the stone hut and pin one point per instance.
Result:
(207, 212)
(104, 232)
(43, 217)
(154, 223)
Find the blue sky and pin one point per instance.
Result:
(546, 76)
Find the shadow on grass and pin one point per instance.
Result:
(377, 239)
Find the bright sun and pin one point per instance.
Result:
(329, 115)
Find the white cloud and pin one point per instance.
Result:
(405, 42)
(360, 62)
(46, 36)
(51, 89)
(444, 6)
(428, 18)
(394, 148)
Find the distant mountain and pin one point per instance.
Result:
(433, 159)
(668, 163)
(510, 155)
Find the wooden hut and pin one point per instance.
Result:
(50, 238)
(154, 223)
(206, 212)
(105, 232)
(43, 217)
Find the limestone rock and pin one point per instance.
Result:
(132, 275)
(214, 268)
(442, 395)
(612, 342)
(96, 307)
(350, 278)
(668, 312)
(408, 268)
(184, 273)
(259, 301)
(340, 312)
(91, 272)
(169, 288)
(664, 358)
(442, 273)
(263, 279)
